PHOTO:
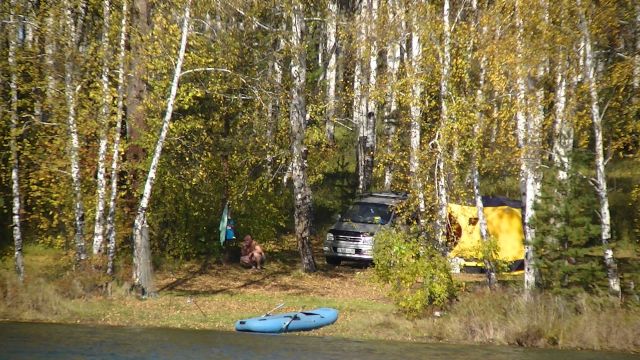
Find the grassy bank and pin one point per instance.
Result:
(211, 295)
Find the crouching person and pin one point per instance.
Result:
(251, 254)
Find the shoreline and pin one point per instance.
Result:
(212, 296)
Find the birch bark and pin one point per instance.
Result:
(301, 190)
(533, 157)
(492, 279)
(369, 131)
(441, 179)
(74, 146)
(142, 272)
(103, 121)
(636, 58)
(521, 135)
(416, 112)
(332, 54)
(394, 57)
(49, 51)
(111, 214)
(360, 93)
(275, 69)
(12, 36)
(601, 180)
(562, 130)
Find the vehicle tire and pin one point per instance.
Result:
(331, 260)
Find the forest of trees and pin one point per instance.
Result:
(127, 125)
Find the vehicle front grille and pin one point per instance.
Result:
(348, 238)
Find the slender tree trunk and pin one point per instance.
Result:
(111, 214)
(636, 57)
(275, 69)
(332, 54)
(441, 178)
(74, 146)
(301, 190)
(416, 113)
(394, 57)
(103, 121)
(136, 86)
(369, 131)
(49, 51)
(521, 136)
(601, 180)
(359, 94)
(142, 272)
(12, 36)
(533, 155)
(492, 279)
(563, 130)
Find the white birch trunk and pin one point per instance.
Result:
(372, 104)
(636, 57)
(601, 180)
(416, 114)
(360, 93)
(12, 36)
(301, 190)
(275, 69)
(563, 129)
(521, 135)
(103, 121)
(332, 54)
(441, 179)
(111, 214)
(74, 146)
(49, 51)
(492, 279)
(532, 159)
(391, 109)
(141, 261)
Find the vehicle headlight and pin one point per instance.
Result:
(367, 240)
(329, 237)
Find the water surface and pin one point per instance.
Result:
(58, 341)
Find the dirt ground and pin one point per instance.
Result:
(281, 274)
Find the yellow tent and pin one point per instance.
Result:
(504, 224)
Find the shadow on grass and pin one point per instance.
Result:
(282, 272)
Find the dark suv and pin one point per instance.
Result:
(352, 237)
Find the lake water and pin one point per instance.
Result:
(56, 341)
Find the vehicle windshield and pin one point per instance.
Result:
(368, 213)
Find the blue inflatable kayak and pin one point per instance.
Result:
(287, 322)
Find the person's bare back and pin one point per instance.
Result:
(251, 253)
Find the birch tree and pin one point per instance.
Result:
(103, 120)
(12, 36)
(72, 42)
(275, 68)
(492, 279)
(393, 57)
(441, 141)
(142, 272)
(111, 214)
(369, 127)
(521, 135)
(297, 115)
(601, 180)
(416, 111)
(360, 93)
(332, 54)
(636, 58)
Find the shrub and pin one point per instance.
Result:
(418, 275)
